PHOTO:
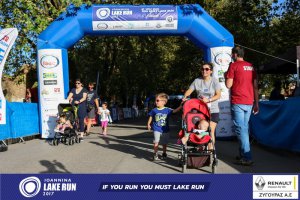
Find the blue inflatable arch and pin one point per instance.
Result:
(191, 21)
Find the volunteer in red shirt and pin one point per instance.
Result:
(241, 78)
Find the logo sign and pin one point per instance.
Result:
(57, 90)
(50, 82)
(49, 61)
(103, 13)
(49, 75)
(223, 59)
(29, 187)
(275, 186)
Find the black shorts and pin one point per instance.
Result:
(92, 114)
(214, 117)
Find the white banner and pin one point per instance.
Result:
(221, 57)
(7, 39)
(51, 88)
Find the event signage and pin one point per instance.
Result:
(148, 186)
(275, 187)
(221, 58)
(52, 88)
(7, 39)
(163, 17)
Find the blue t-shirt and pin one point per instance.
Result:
(160, 119)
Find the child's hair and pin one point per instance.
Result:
(92, 83)
(163, 96)
(104, 103)
(63, 115)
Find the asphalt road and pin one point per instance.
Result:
(128, 149)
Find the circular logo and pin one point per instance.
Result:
(29, 187)
(49, 61)
(103, 13)
(169, 18)
(102, 26)
(223, 59)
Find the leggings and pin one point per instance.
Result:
(81, 113)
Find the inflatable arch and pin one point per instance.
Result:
(191, 21)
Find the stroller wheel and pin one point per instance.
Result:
(214, 164)
(55, 142)
(183, 167)
(213, 168)
(67, 141)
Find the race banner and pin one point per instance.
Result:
(221, 57)
(148, 186)
(51, 88)
(8, 37)
(162, 17)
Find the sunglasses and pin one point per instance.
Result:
(77, 83)
(158, 100)
(205, 69)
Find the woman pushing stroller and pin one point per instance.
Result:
(208, 90)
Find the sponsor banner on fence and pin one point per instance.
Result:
(221, 57)
(162, 17)
(145, 186)
(51, 88)
(7, 39)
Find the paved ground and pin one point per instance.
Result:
(128, 149)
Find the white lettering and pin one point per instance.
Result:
(127, 12)
(116, 187)
(116, 12)
(181, 187)
(162, 187)
(51, 186)
(131, 187)
(248, 68)
(198, 187)
(146, 187)
(68, 187)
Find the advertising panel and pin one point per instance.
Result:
(51, 88)
(7, 39)
(221, 57)
(163, 17)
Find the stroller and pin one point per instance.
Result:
(195, 152)
(68, 136)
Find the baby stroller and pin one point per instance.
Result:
(195, 152)
(68, 136)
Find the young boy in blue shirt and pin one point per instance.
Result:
(159, 122)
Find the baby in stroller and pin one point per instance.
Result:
(63, 123)
(65, 128)
(202, 131)
(195, 136)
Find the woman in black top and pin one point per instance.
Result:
(77, 97)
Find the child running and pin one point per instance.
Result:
(159, 122)
(104, 117)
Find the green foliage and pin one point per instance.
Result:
(149, 64)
